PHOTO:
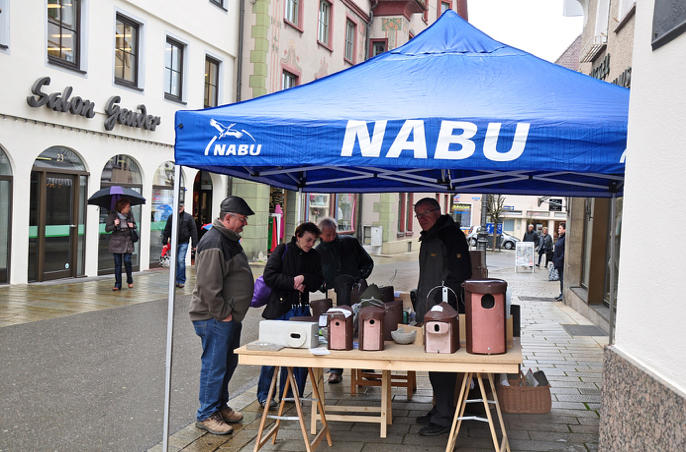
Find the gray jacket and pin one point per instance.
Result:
(224, 281)
(120, 240)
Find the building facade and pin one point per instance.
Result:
(89, 92)
(605, 52)
(292, 42)
(644, 372)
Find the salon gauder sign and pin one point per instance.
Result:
(64, 103)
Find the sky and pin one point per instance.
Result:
(535, 26)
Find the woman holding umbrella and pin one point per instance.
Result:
(123, 227)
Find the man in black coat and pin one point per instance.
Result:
(559, 255)
(531, 236)
(344, 262)
(443, 259)
(187, 231)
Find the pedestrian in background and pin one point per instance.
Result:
(531, 236)
(443, 258)
(293, 270)
(546, 247)
(221, 298)
(187, 230)
(344, 262)
(559, 255)
(120, 223)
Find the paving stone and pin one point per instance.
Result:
(533, 445)
(569, 405)
(578, 397)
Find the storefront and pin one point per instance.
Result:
(161, 207)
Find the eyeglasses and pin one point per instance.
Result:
(424, 214)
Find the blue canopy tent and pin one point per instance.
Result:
(453, 110)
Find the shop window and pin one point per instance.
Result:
(121, 170)
(350, 32)
(173, 69)
(288, 80)
(409, 214)
(462, 213)
(59, 158)
(509, 226)
(405, 213)
(555, 204)
(211, 82)
(161, 207)
(126, 52)
(345, 212)
(444, 6)
(292, 15)
(318, 207)
(64, 23)
(324, 30)
(5, 216)
(589, 206)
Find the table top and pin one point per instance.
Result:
(393, 357)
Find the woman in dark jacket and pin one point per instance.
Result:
(120, 223)
(293, 270)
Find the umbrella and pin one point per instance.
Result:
(108, 197)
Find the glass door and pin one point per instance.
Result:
(59, 227)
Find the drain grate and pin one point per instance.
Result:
(549, 299)
(583, 330)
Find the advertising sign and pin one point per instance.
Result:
(524, 255)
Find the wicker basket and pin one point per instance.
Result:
(520, 399)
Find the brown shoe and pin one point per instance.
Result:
(114, 289)
(215, 425)
(131, 286)
(230, 415)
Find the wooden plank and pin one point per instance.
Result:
(352, 409)
(352, 418)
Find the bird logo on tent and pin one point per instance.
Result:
(229, 131)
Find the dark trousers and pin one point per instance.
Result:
(443, 384)
(560, 271)
(117, 269)
(547, 258)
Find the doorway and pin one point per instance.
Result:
(57, 216)
(202, 201)
(5, 216)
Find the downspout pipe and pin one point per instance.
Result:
(239, 64)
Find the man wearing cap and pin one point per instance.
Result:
(187, 231)
(224, 288)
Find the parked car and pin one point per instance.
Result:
(507, 241)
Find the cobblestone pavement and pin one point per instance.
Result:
(572, 364)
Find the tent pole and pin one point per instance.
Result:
(299, 207)
(170, 305)
(613, 275)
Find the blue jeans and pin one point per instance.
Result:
(219, 340)
(267, 372)
(117, 269)
(181, 250)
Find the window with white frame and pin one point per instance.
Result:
(126, 51)
(350, 29)
(288, 80)
(602, 19)
(445, 6)
(4, 24)
(173, 69)
(623, 8)
(64, 34)
(292, 13)
(211, 82)
(324, 22)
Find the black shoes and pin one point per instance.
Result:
(434, 430)
(423, 420)
(558, 298)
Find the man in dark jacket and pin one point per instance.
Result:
(224, 288)
(443, 259)
(344, 262)
(531, 236)
(559, 255)
(187, 231)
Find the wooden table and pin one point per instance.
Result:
(393, 358)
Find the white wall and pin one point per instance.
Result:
(651, 311)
